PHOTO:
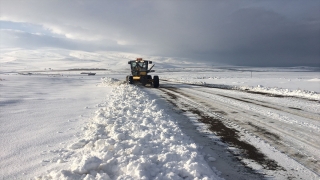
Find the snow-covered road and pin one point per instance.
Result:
(271, 124)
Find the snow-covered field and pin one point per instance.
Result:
(39, 115)
(64, 125)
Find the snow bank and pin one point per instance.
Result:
(314, 80)
(283, 91)
(259, 88)
(108, 81)
(130, 137)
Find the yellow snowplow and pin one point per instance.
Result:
(139, 73)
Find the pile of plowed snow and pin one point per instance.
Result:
(108, 81)
(130, 137)
(283, 91)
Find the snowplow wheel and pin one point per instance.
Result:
(143, 80)
(130, 79)
(155, 81)
(149, 79)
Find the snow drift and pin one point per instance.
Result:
(312, 95)
(130, 137)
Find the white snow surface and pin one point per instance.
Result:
(63, 125)
(131, 138)
(39, 116)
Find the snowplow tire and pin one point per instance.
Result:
(130, 79)
(143, 80)
(155, 81)
(149, 79)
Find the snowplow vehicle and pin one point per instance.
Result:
(139, 73)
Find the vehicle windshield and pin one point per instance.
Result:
(139, 66)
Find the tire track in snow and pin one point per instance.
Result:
(276, 115)
(225, 132)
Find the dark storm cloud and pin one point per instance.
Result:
(260, 33)
(254, 36)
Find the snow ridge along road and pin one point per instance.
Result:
(130, 137)
(281, 135)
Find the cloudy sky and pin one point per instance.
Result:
(254, 33)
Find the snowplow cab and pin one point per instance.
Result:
(139, 73)
(139, 67)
